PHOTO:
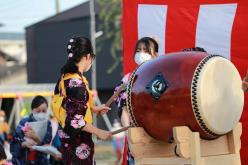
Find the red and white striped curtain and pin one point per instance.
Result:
(218, 26)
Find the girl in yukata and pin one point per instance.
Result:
(77, 146)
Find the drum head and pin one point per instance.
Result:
(216, 95)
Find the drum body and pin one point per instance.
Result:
(191, 89)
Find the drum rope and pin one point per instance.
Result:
(128, 100)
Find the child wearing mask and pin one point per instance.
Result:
(146, 49)
(25, 137)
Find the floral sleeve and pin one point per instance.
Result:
(75, 105)
(121, 99)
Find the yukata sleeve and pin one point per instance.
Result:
(120, 100)
(75, 104)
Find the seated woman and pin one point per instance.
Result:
(25, 137)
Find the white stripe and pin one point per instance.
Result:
(214, 28)
(151, 23)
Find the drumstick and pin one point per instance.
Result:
(120, 130)
(111, 99)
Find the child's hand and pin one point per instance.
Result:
(28, 143)
(25, 128)
(104, 135)
(102, 109)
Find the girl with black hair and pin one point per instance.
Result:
(76, 136)
(146, 49)
(25, 137)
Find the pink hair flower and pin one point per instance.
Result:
(74, 125)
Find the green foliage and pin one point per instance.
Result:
(110, 17)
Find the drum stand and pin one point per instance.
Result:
(189, 148)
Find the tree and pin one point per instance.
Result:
(110, 16)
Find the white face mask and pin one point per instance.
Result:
(40, 116)
(141, 57)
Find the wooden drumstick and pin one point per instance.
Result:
(111, 99)
(120, 130)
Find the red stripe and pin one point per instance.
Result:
(239, 56)
(124, 156)
(188, 2)
(177, 37)
(130, 34)
(180, 27)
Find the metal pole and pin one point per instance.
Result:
(93, 41)
(57, 6)
(105, 117)
(18, 110)
(12, 115)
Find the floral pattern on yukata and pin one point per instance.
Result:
(83, 151)
(75, 82)
(78, 121)
(62, 134)
(120, 100)
(77, 147)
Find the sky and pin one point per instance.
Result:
(15, 15)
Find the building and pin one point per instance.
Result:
(47, 43)
(13, 58)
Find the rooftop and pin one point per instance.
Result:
(12, 36)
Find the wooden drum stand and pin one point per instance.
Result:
(187, 148)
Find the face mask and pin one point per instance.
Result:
(139, 58)
(40, 116)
